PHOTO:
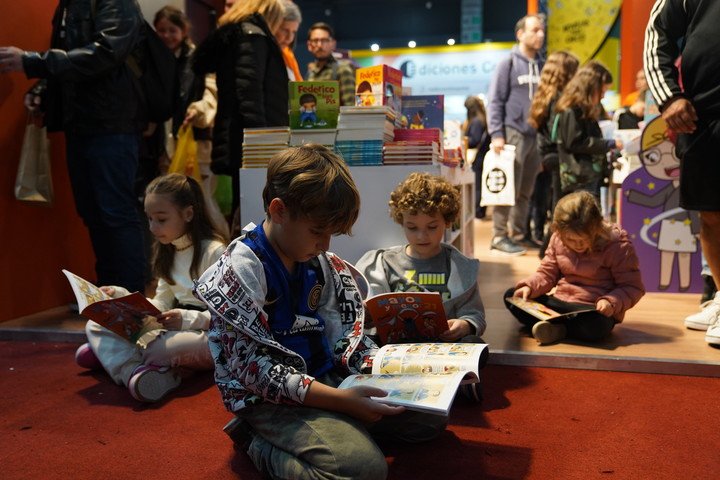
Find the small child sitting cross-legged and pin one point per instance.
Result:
(186, 243)
(425, 205)
(592, 263)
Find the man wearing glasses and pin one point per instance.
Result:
(321, 44)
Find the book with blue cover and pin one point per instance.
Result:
(423, 111)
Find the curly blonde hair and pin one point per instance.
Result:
(425, 193)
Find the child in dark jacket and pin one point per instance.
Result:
(581, 147)
(591, 263)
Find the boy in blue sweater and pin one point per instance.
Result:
(287, 327)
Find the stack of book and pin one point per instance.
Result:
(362, 131)
(411, 152)
(432, 138)
(260, 144)
(313, 108)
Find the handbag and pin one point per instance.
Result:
(184, 160)
(33, 183)
(498, 177)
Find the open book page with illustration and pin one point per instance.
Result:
(129, 316)
(403, 317)
(542, 312)
(423, 376)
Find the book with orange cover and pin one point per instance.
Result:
(403, 317)
(130, 316)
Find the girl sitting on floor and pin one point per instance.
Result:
(591, 263)
(186, 244)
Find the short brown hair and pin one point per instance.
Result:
(425, 193)
(321, 26)
(314, 183)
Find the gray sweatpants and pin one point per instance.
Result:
(296, 442)
(527, 167)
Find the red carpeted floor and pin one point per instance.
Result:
(59, 422)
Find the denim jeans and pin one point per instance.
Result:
(302, 443)
(102, 170)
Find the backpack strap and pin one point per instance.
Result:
(553, 134)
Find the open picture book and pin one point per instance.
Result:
(129, 316)
(540, 311)
(423, 376)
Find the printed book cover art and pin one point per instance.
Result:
(313, 104)
(423, 111)
(129, 316)
(406, 317)
(538, 310)
(378, 85)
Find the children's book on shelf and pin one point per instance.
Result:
(423, 376)
(542, 312)
(378, 85)
(423, 111)
(404, 317)
(129, 316)
(313, 105)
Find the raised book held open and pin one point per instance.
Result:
(129, 316)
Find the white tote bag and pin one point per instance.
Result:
(498, 177)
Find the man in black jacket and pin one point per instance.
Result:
(689, 28)
(87, 90)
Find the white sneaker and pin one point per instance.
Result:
(713, 334)
(707, 317)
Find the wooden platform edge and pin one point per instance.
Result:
(605, 363)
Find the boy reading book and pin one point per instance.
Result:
(287, 327)
(425, 205)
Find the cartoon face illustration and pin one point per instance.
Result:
(658, 153)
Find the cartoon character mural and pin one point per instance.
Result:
(653, 216)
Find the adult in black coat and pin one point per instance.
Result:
(251, 77)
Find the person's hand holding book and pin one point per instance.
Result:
(459, 328)
(172, 319)
(523, 292)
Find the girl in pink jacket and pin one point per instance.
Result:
(592, 264)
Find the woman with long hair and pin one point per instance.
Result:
(581, 147)
(251, 79)
(559, 68)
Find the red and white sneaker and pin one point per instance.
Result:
(86, 358)
(150, 383)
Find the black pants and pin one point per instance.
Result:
(586, 326)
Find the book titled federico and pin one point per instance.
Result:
(313, 105)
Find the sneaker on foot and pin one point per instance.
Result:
(472, 391)
(528, 242)
(507, 247)
(713, 334)
(546, 332)
(705, 318)
(86, 358)
(150, 383)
